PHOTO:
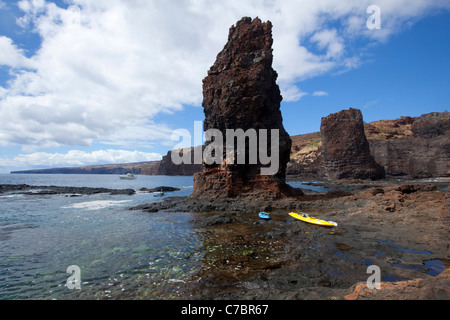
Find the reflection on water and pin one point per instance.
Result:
(391, 243)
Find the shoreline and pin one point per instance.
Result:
(399, 227)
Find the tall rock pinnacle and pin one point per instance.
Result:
(240, 92)
(345, 149)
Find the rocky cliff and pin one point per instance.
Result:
(345, 149)
(305, 152)
(240, 92)
(423, 151)
(412, 147)
(168, 168)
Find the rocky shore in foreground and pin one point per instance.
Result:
(402, 228)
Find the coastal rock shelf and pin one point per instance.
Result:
(312, 262)
(42, 190)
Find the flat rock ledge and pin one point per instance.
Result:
(244, 204)
(45, 190)
(381, 224)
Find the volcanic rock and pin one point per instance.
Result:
(240, 92)
(422, 154)
(407, 147)
(345, 149)
(445, 211)
(166, 167)
(50, 190)
(432, 288)
(161, 188)
(431, 125)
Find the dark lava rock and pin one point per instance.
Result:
(167, 167)
(240, 92)
(423, 154)
(431, 125)
(49, 190)
(162, 188)
(345, 149)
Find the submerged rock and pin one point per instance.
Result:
(161, 188)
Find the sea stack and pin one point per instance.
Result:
(345, 149)
(240, 92)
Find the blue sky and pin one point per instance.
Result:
(88, 82)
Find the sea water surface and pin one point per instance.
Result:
(120, 253)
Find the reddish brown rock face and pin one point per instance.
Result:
(240, 92)
(422, 154)
(345, 149)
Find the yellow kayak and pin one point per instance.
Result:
(305, 217)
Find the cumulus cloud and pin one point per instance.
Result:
(101, 70)
(106, 68)
(293, 93)
(11, 55)
(329, 40)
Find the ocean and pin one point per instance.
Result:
(121, 254)
(47, 241)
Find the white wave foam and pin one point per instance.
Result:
(95, 205)
(14, 195)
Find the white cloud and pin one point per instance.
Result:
(292, 93)
(140, 136)
(77, 158)
(97, 79)
(105, 68)
(331, 41)
(320, 93)
(12, 56)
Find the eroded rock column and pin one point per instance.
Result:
(240, 92)
(345, 149)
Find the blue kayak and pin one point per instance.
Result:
(158, 195)
(264, 215)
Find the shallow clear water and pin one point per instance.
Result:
(120, 253)
(308, 186)
(116, 249)
(391, 243)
